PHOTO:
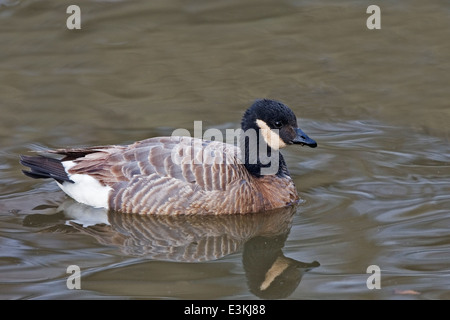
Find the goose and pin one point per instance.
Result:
(184, 175)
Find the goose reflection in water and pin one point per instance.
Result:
(186, 238)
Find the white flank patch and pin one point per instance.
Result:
(83, 214)
(86, 189)
(272, 138)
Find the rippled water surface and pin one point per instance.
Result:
(376, 191)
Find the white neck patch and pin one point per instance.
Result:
(275, 270)
(271, 137)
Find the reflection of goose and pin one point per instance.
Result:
(195, 239)
(183, 175)
(177, 238)
(270, 274)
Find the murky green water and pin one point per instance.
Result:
(376, 190)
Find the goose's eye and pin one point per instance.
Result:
(278, 124)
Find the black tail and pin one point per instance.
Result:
(43, 168)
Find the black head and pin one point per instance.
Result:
(278, 124)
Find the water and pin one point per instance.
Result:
(375, 191)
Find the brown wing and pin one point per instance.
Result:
(169, 175)
(207, 164)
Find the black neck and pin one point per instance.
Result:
(260, 160)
